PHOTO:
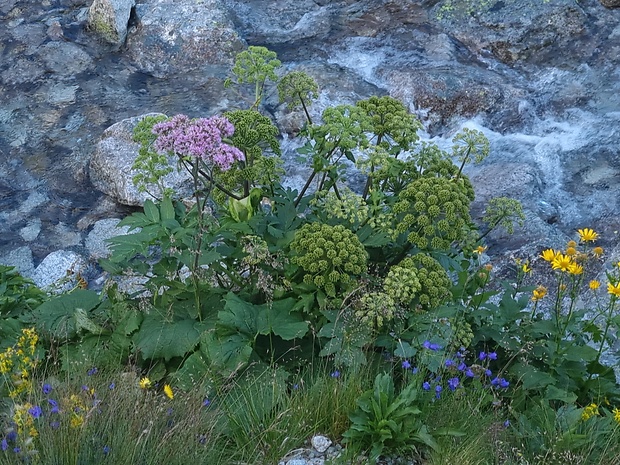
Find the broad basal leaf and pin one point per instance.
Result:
(158, 338)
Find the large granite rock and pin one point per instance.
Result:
(109, 19)
(111, 165)
(182, 36)
(611, 3)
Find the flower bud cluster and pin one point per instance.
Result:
(375, 309)
(350, 207)
(434, 281)
(435, 212)
(330, 255)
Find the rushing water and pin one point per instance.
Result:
(53, 109)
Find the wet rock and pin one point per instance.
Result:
(65, 59)
(105, 229)
(21, 259)
(58, 270)
(109, 18)
(610, 3)
(115, 154)
(182, 37)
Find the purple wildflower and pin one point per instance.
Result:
(47, 388)
(438, 390)
(200, 138)
(35, 411)
(488, 372)
(4, 445)
(92, 371)
(426, 385)
(17, 450)
(501, 382)
(506, 423)
(453, 383)
(462, 366)
(482, 356)
(492, 355)
(335, 374)
(84, 387)
(406, 364)
(111, 386)
(449, 363)
(12, 436)
(415, 370)
(106, 450)
(469, 373)
(431, 346)
(206, 403)
(54, 424)
(54, 405)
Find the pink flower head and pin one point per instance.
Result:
(200, 138)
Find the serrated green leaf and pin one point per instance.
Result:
(278, 319)
(158, 338)
(228, 353)
(57, 316)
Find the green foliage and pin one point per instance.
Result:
(18, 297)
(255, 66)
(298, 89)
(150, 165)
(388, 423)
(504, 212)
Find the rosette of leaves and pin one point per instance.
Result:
(418, 282)
(434, 212)
(330, 256)
(254, 135)
(298, 89)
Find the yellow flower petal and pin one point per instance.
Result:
(168, 391)
(145, 383)
(587, 235)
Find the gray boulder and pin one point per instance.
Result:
(59, 271)
(183, 36)
(104, 229)
(611, 3)
(109, 19)
(111, 165)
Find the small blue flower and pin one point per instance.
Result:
(4, 445)
(506, 423)
(106, 450)
(482, 356)
(111, 386)
(206, 403)
(295, 387)
(17, 450)
(431, 345)
(92, 371)
(438, 390)
(54, 405)
(426, 386)
(469, 373)
(415, 370)
(47, 388)
(462, 366)
(503, 383)
(406, 365)
(453, 383)
(335, 374)
(449, 363)
(36, 411)
(84, 387)
(492, 356)
(54, 424)
(11, 436)
(488, 372)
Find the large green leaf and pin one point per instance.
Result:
(228, 353)
(278, 319)
(158, 338)
(58, 315)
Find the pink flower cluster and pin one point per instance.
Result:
(200, 138)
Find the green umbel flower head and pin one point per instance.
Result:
(330, 256)
(375, 309)
(434, 211)
(434, 283)
(402, 283)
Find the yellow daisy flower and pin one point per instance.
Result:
(613, 290)
(571, 251)
(548, 255)
(597, 251)
(572, 244)
(594, 284)
(616, 413)
(526, 267)
(145, 383)
(561, 262)
(539, 293)
(168, 391)
(575, 268)
(589, 411)
(480, 249)
(587, 235)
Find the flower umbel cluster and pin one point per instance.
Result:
(201, 138)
